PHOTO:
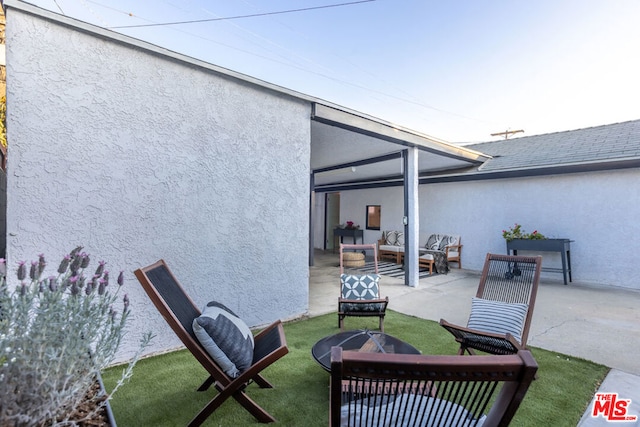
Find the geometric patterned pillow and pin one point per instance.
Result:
(390, 237)
(433, 243)
(360, 287)
(498, 317)
(446, 241)
(226, 338)
(400, 238)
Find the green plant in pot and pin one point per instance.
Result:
(516, 232)
(57, 333)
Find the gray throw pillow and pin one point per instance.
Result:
(498, 317)
(226, 338)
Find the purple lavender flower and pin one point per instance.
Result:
(41, 264)
(64, 264)
(100, 268)
(22, 270)
(125, 300)
(121, 278)
(53, 286)
(75, 263)
(33, 270)
(85, 260)
(101, 287)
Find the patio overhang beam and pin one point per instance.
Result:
(362, 162)
(332, 188)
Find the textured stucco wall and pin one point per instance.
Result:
(599, 211)
(139, 156)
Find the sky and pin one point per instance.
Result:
(456, 70)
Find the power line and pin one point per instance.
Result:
(245, 16)
(314, 71)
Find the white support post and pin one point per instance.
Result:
(412, 223)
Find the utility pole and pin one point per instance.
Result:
(507, 133)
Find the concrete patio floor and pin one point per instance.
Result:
(601, 324)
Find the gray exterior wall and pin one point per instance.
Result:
(598, 210)
(139, 156)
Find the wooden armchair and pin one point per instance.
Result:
(179, 311)
(503, 307)
(360, 293)
(377, 389)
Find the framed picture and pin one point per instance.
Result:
(373, 217)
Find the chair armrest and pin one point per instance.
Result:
(269, 340)
(484, 341)
(446, 248)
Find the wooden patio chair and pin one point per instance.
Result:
(383, 389)
(503, 307)
(360, 292)
(179, 311)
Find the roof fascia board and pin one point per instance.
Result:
(541, 171)
(386, 131)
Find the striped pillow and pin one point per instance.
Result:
(498, 317)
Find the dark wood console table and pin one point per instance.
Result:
(349, 232)
(546, 245)
(354, 233)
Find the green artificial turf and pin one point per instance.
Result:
(162, 391)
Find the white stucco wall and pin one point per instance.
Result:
(599, 211)
(139, 156)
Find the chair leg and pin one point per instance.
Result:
(262, 382)
(254, 409)
(205, 385)
(381, 323)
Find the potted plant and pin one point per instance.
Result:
(57, 333)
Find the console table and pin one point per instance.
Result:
(546, 245)
(354, 233)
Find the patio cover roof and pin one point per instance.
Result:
(350, 150)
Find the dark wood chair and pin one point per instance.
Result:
(378, 389)
(502, 310)
(360, 292)
(179, 311)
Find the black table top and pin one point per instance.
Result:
(359, 340)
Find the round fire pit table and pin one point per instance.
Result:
(362, 340)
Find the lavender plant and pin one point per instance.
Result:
(56, 334)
